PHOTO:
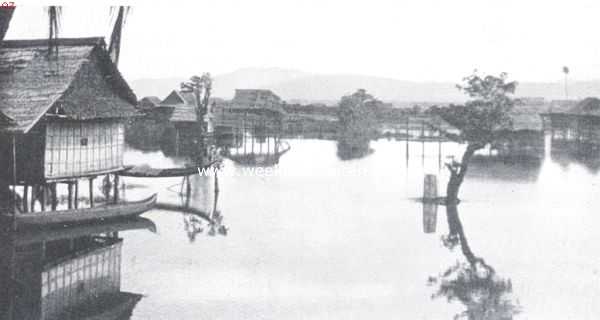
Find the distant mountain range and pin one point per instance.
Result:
(298, 86)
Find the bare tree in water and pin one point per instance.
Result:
(481, 121)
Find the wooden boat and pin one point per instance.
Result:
(101, 213)
(149, 172)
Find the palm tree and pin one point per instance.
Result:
(54, 14)
(114, 47)
(565, 70)
(5, 16)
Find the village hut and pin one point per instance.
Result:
(578, 126)
(61, 114)
(148, 103)
(181, 110)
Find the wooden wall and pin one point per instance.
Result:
(83, 148)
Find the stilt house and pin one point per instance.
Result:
(61, 114)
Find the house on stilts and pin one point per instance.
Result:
(62, 118)
(250, 126)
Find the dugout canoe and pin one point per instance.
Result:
(73, 216)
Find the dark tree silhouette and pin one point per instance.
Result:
(481, 121)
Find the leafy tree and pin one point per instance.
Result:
(201, 87)
(481, 121)
(357, 123)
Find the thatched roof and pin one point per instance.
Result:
(151, 100)
(259, 99)
(183, 105)
(80, 83)
(587, 107)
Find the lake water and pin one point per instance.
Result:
(322, 238)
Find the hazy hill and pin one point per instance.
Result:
(293, 85)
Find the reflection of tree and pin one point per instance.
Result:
(474, 283)
(197, 221)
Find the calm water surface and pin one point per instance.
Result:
(329, 239)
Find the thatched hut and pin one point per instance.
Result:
(62, 113)
(577, 126)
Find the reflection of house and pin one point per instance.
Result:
(64, 112)
(65, 275)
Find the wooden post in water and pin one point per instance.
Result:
(91, 192)
(430, 188)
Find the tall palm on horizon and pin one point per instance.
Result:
(565, 70)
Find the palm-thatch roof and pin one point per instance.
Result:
(587, 107)
(79, 83)
(257, 99)
(183, 105)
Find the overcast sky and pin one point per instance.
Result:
(421, 40)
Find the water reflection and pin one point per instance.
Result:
(197, 201)
(353, 148)
(66, 273)
(475, 283)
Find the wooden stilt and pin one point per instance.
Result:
(91, 192)
(43, 196)
(25, 198)
(76, 198)
(34, 193)
(54, 197)
(70, 196)
(116, 189)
